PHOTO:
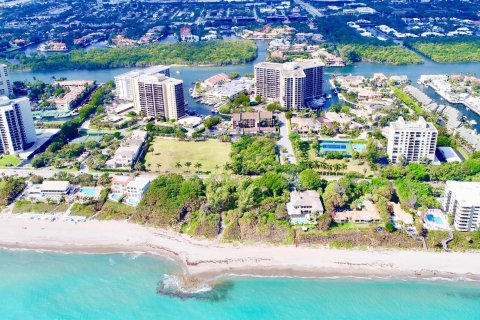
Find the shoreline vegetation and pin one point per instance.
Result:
(215, 53)
(441, 50)
(207, 259)
(352, 47)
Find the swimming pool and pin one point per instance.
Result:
(92, 192)
(132, 201)
(300, 220)
(116, 196)
(435, 219)
(359, 147)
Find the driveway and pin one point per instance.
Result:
(284, 141)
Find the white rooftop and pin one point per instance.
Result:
(55, 185)
(139, 182)
(466, 192)
(449, 154)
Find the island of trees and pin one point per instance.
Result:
(221, 52)
(448, 50)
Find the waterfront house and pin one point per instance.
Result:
(303, 206)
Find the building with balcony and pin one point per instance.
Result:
(159, 96)
(290, 83)
(17, 131)
(124, 83)
(5, 82)
(253, 122)
(462, 201)
(412, 141)
(303, 206)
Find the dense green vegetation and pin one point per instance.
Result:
(448, 50)
(167, 199)
(10, 188)
(201, 53)
(391, 54)
(252, 156)
(469, 170)
(354, 48)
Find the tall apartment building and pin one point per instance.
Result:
(124, 83)
(291, 83)
(411, 141)
(159, 96)
(17, 130)
(5, 83)
(462, 201)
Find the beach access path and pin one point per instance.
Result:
(210, 258)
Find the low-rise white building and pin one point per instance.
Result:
(54, 190)
(462, 201)
(136, 189)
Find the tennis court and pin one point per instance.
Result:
(337, 146)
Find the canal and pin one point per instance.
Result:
(190, 75)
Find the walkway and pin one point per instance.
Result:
(284, 142)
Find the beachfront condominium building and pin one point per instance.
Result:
(411, 141)
(462, 201)
(124, 83)
(159, 96)
(5, 84)
(17, 130)
(291, 83)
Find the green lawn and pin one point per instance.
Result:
(8, 160)
(23, 206)
(167, 152)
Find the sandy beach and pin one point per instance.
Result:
(210, 258)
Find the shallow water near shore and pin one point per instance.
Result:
(47, 285)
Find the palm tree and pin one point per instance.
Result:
(198, 165)
(158, 166)
(188, 164)
(178, 165)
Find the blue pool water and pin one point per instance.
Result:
(123, 286)
(89, 191)
(435, 219)
(116, 196)
(359, 147)
(132, 201)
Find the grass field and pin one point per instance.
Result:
(167, 153)
(8, 160)
(23, 206)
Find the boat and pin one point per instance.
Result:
(190, 90)
(473, 122)
(177, 72)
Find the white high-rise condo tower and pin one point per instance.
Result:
(462, 201)
(17, 130)
(412, 141)
(159, 96)
(291, 83)
(5, 83)
(124, 83)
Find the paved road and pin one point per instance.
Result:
(309, 8)
(284, 141)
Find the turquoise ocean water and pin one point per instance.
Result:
(123, 286)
